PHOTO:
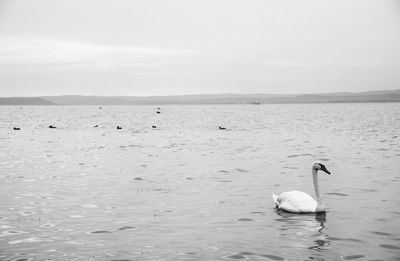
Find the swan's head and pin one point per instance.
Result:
(319, 166)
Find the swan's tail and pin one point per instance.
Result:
(275, 199)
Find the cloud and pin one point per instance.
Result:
(285, 64)
(29, 53)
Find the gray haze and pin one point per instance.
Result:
(140, 48)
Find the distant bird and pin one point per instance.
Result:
(154, 126)
(52, 127)
(222, 128)
(16, 128)
(119, 127)
(300, 202)
(96, 126)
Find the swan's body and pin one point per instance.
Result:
(300, 202)
(295, 202)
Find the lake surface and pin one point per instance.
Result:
(189, 191)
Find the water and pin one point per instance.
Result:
(189, 191)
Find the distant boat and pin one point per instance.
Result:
(255, 103)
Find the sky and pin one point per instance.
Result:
(176, 47)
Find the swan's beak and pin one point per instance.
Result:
(323, 168)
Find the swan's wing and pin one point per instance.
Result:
(288, 207)
(296, 202)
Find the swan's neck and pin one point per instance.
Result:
(320, 203)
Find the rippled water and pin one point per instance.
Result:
(189, 191)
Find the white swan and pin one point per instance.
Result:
(300, 202)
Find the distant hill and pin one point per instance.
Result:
(340, 97)
(177, 99)
(312, 98)
(25, 101)
(87, 100)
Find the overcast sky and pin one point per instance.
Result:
(158, 47)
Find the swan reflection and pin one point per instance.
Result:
(305, 231)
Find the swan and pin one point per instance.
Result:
(300, 202)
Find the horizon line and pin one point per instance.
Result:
(199, 94)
